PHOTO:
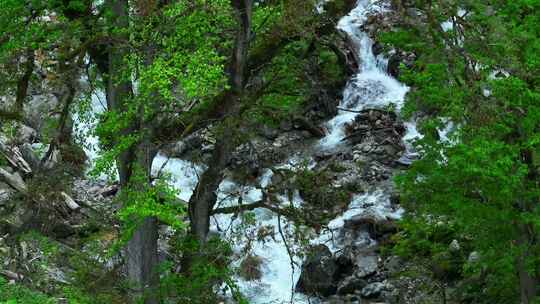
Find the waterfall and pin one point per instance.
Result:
(371, 87)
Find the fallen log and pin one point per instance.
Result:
(11, 275)
(70, 202)
(14, 157)
(14, 180)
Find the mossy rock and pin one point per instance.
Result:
(447, 266)
(323, 200)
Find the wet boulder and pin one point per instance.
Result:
(350, 285)
(367, 265)
(318, 273)
(376, 226)
(25, 134)
(372, 290)
(356, 265)
(378, 134)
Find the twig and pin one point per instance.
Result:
(289, 253)
(347, 110)
(160, 171)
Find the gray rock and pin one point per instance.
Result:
(372, 290)
(367, 265)
(390, 150)
(351, 285)
(393, 65)
(28, 153)
(13, 180)
(286, 125)
(26, 134)
(474, 257)
(5, 192)
(370, 222)
(393, 263)
(334, 300)
(454, 246)
(413, 12)
(268, 132)
(318, 272)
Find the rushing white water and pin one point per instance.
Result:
(374, 204)
(448, 25)
(84, 126)
(277, 278)
(371, 87)
(184, 174)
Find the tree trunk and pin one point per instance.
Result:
(243, 10)
(141, 250)
(142, 261)
(119, 89)
(204, 198)
(528, 281)
(528, 284)
(22, 85)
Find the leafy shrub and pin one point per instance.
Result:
(18, 294)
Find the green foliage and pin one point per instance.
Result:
(92, 281)
(294, 79)
(208, 268)
(190, 57)
(330, 67)
(422, 237)
(484, 179)
(288, 88)
(168, 62)
(17, 294)
(142, 200)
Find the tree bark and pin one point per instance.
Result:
(243, 10)
(142, 260)
(118, 89)
(528, 281)
(24, 82)
(141, 250)
(204, 198)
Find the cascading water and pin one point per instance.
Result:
(371, 87)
